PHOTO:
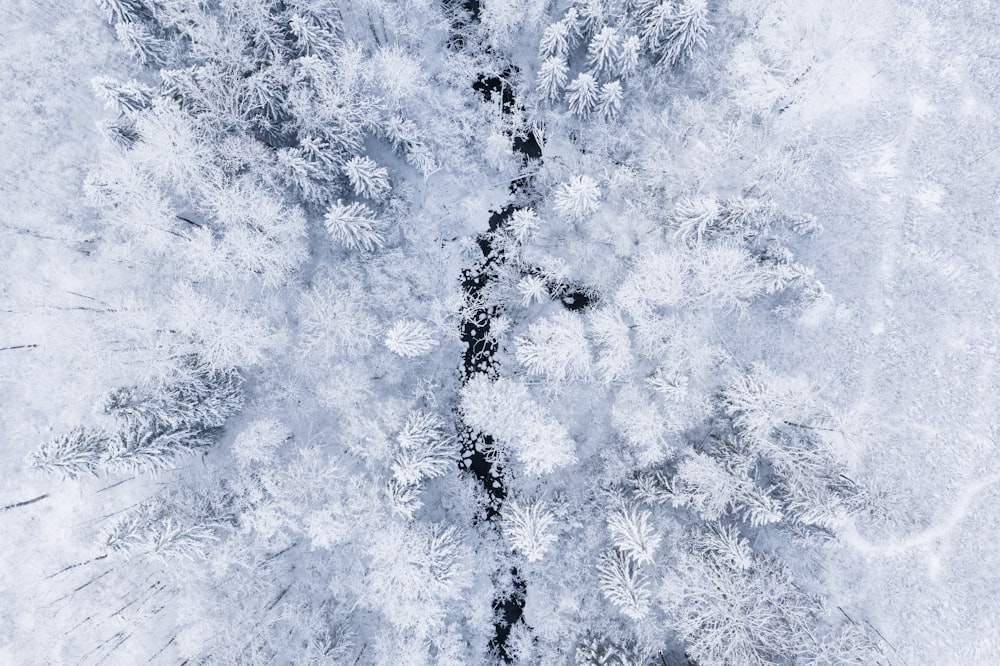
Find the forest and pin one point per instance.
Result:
(483, 332)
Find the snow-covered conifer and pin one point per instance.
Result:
(695, 216)
(688, 30)
(523, 223)
(311, 36)
(125, 98)
(602, 53)
(532, 289)
(631, 533)
(125, 11)
(552, 77)
(610, 100)
(410, 338)
(529, 528)
(73, 454)
(623, 585)
(628, 56)
(137, 451)
(368, 179)
(578, 198)
(301, 173)
(353, 226)
(675, 31)
(425, 460)
(178, 525)
(143, 45)
(582, 94)
(121, 132)
(197, 397)
(555, 41)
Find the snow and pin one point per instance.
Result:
(663, 339)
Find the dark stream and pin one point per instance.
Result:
(479, 346)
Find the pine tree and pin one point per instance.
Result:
(434, 458)
(677, 31)
(77, 453)
(622, 584)
(353, 226)
(523, 224)
(126, 98)
(121, 132)
(631, 533)
(628, 56)
(137, 450)
(602, 53)
(410, 338)
(306, 177)
(582, 94)
(610, 100)
(695, 216)
(178, 525)
(312, 37)
(125, 11)
(552, 77)
(528, 528)
(368, 179)
(143, 45)
(196, 398)
(578, 198)
(533, 290)
(555, 42)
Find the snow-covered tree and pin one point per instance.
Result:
(552, 77)
(676, 30)
(582, 94)
(623, 585)
(425, 451)
(555, 41)
(354, 226)
(79, 452)
(368, 179)
(602, 52)
(610, 100)
(578, 198)
(410, 338)
(196, 396)
(556, 347)
(631, 533)
(505, 410)
(138, 450)
(731, 607)
(259, 441)
(529, 528)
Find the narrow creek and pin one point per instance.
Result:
(478, 358)
(480, 346)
